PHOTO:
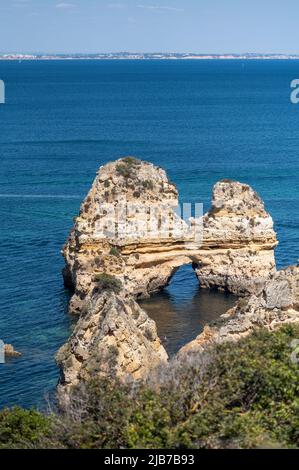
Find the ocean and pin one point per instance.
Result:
(200, 120)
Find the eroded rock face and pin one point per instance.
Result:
(236, 253)
(276, 304)
(143, 259)
(115, 338)
(239, 241)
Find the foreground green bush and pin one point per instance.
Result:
(23, 428)
(243, 395)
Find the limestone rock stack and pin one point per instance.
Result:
(115, 338)
(119, 232)
(237, 253)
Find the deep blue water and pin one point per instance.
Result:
(200, 120)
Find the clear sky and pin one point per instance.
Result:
(204, 26)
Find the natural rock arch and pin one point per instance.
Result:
(236, 251)
(114, 337)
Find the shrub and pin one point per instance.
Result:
(227, 180)
(242, 395)
(22, 428)
(114, 251)
(127, 167)
(131, 161)
(243, 302)
(123, 170)
(108, 282)
(148, 184)
(236, 395)
(254, 399)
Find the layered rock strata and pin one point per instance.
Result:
(237, 253)
(128, 228)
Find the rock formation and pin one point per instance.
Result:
(128, 241)
(142, 244)
(238, 245)
(277, 303)
(115, 338)
(146, 247)
(10, 351)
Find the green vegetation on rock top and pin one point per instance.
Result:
(108, 282)
(127, 167)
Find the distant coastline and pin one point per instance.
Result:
(148, 56)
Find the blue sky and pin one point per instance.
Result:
(205, 26)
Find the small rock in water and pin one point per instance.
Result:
(10, 351)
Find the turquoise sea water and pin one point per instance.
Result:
(200, 120)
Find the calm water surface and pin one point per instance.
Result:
(182, 309)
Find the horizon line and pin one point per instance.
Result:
(38, 53)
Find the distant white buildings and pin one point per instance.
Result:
(147, 56)
(17, 57)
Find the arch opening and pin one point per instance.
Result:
(182, 309)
